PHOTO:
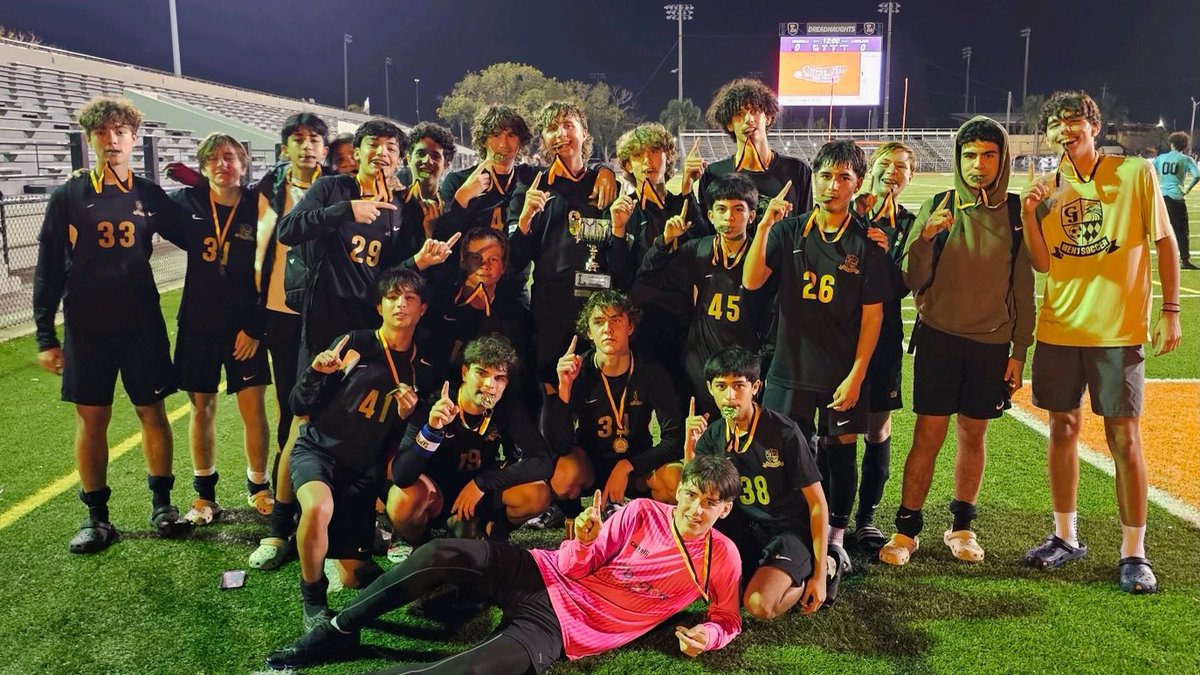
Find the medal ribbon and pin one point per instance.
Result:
(888, 209)
(836, 236)
(559, 169)
(648, 194)
(729, 262)
(97, 177)
(687, 559)
(387, 352)
(501, 187)
(293, 180)
(479, 291)
(379, 190)
(619, 412)
(731, 431)
(222, 232)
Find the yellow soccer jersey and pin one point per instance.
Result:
(1099, 232)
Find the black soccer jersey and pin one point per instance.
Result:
(897, 224)
(352, 256)
(647, 391)
(497, 451)
(769, 183)
(353, 414)
(94, 255)
(219, 291)
(824, 280)
(646, 225)
(773, 461)
(452, 321)
(412, 231)
(555, 242)
(489, 209)
(722, 312)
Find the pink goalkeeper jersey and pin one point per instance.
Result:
(633, 577)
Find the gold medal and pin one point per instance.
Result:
(620, 445)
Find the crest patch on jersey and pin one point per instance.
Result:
(1081, 221)
(772, 461)
(850, 264)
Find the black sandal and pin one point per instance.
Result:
(166, 521)
(1137, 575)
(93, 536)
(869, 539)
(1053, 553)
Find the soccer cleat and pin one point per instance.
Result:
(1054, 552)
(203, 512)
(272, 553)
(166, 521)
(551, 518)
(322, 643)
(314, 615)
(263, 501)
(93, 536)
(1137, 575)
(963, 545)
(899, 549)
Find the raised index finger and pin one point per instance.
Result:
(453, 239)
(784, 191)
(536, 181)
(446, 390)
(341, 345)
(598, 503)
(695, 147)
(683, 213)
(574, 342)
(692, 407)
(942, 205)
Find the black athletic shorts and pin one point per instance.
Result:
(804, 406)
(141, 355)
(954, 374)
(282, 339)
(884, 370)
(352, 528)
(785, 549)
(490, 504)
(199, 358)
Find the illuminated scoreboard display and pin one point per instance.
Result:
(827, 66)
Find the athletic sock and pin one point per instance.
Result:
(282, 521)
(909, 522)
(1133, 541)
(160, 490)
(1064, 527)
(843, 481)
(315, 594)
(204, 481)
(837, 535)
(964, 513)
(256, 481)
(876, 465)
(96, 503)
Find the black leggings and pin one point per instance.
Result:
(500, 654)
(498, 572)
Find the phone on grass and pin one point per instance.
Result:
(233, 579)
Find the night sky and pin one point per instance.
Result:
(1148, 53)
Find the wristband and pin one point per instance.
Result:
(428, 439)
(1170, 311)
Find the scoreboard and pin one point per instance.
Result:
(830, 64)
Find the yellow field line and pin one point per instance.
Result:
(67, 481)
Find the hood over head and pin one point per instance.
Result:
(992, 196)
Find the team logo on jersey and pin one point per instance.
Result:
(574, 222)
(492, 435)
(245, 232)
(137, 208)
(773, 461)
(850, 265)
(635, 400)
(1082, 221)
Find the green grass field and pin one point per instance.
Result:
(151, 606)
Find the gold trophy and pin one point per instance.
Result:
(592, 232)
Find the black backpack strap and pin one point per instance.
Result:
(939, 242)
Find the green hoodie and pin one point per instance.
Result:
(970, 295)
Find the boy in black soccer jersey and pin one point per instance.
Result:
(454, 471)
(358, 394)
(888, 225)
(647, 156)
(611, 395)
(745, 108)
(221, 321)
(478, 196)
(780, 519)
(707, 274)
(560, 222)
(94, 256)
(341, 155)
(431, 151)
(345, 230)
(833, 281)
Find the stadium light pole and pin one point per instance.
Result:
(346, 40)
(888, 8)
(417, 87)
(679, 14)
(1192, 126)
(966, 54)
(387, 87)
(1025, 81)
(175, 38)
